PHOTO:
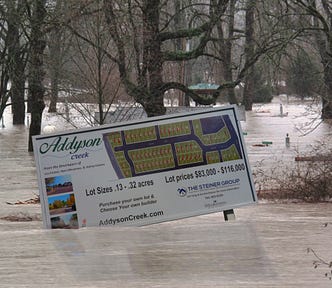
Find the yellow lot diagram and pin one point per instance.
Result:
(172, 146)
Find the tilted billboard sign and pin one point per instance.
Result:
(145, 172)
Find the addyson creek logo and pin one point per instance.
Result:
(65, 144)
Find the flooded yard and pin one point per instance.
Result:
(266, 246)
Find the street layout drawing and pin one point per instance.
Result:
(171, 146)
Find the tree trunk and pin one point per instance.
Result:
(36, 74)
(4, 95)
(327, 98)
(225, 50)
(154, 102)
(249, 50)
(325, 48)
(17, 92)
(323, 39)
(100, 90)
(55, 58)
(180, 67)
(16, 65)
(54, 68)
(188, 81)
(228, 54)
(248, 91)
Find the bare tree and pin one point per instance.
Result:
(310, 22)
(13, 57)
(4, 93)
(249, 51)
(55, 45)
(147, 31)
(16, 56)
(93, 75)
(225, 49)
(36, 74)
(322, 21)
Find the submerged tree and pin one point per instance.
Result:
(36, 74)
(92, 71)
(16, 57)
(55, 46)
(249, 51)
(312, 22)
(145, 26)
(224, 46)
(13, 58)
(141, 32)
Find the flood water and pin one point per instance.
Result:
(308, 136)
(266, 246)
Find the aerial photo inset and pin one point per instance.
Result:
(172, 146)
(58, 184)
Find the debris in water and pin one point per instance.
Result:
(35, 200)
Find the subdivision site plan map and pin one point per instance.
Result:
(172, 146)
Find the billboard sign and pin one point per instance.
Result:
(143, 172)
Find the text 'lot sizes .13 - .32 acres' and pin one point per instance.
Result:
(171, 146)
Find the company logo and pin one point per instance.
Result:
(60, 144)
(182, 192)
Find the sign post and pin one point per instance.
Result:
(139, 173)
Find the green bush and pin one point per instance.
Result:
(263, 94)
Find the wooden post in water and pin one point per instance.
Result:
(229, 215)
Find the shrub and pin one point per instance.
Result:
(309, 180)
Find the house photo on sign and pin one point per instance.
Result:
(138, 173)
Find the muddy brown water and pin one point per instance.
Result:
(266, 246)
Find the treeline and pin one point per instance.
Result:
(145, 51)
